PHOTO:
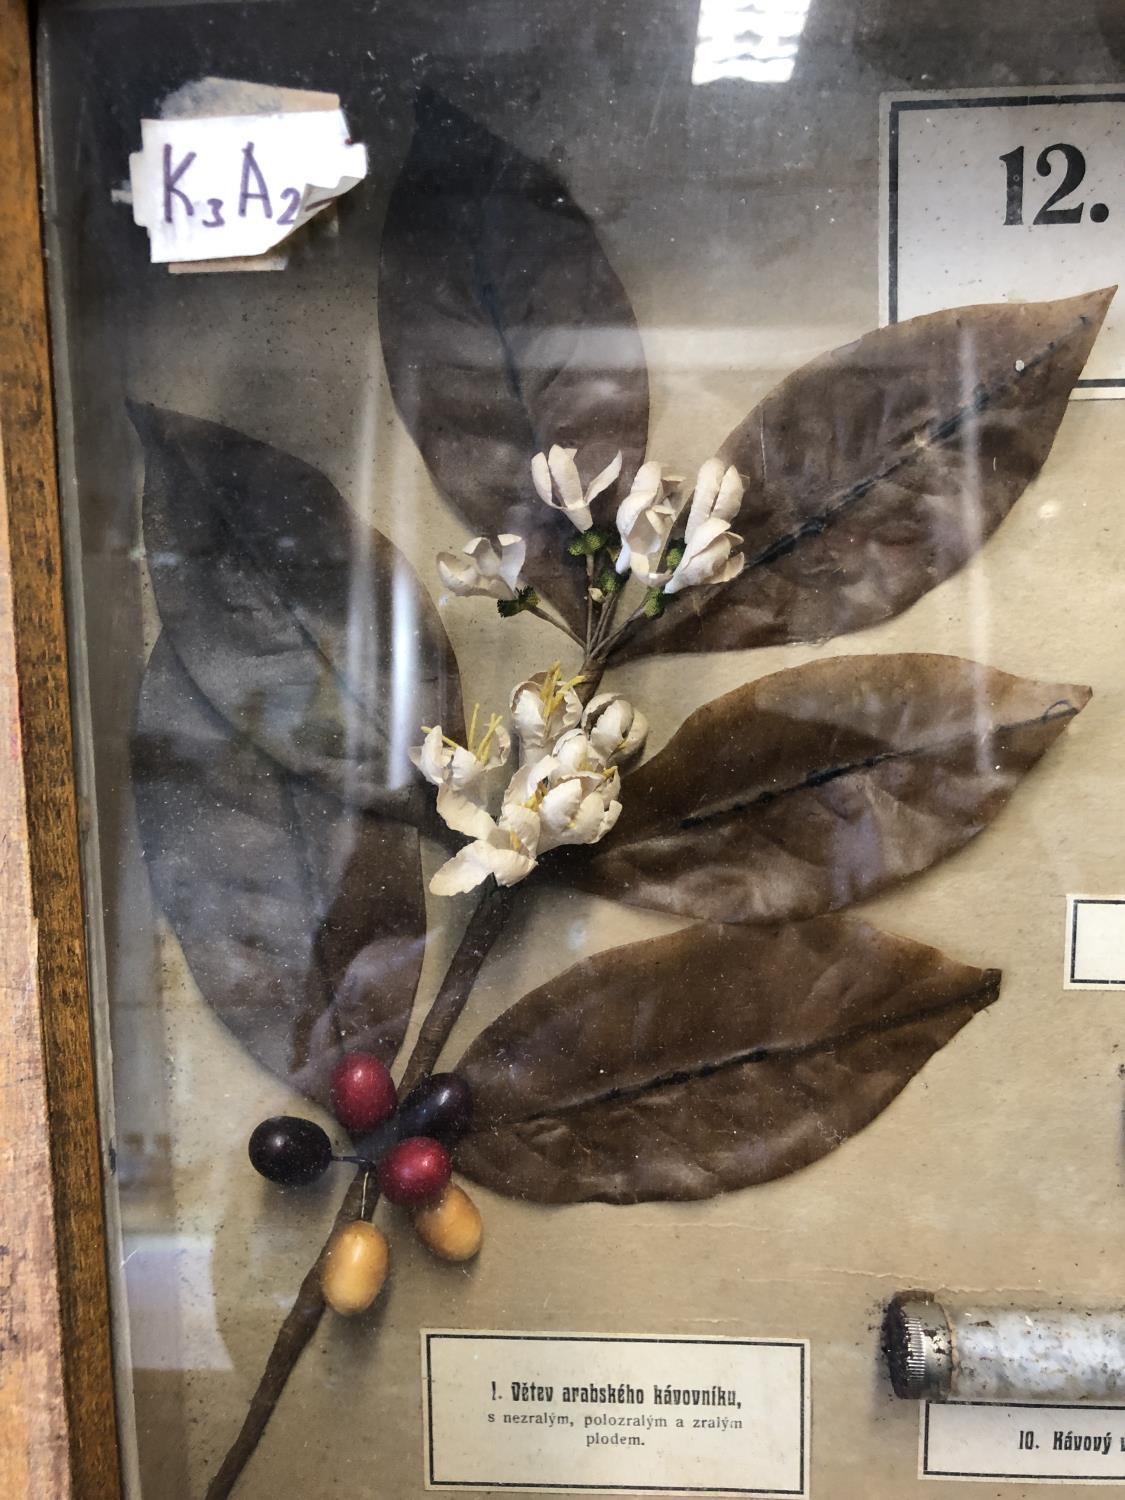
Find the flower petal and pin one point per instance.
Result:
(558, 808)
(521, 824)
(541, 478)
(432, 756)
(510, 866)
(513, 552)
(459, 576)
(603, 480)
(706, 491)
(463, 815)
(525, 783)
(730, 495)
(464, 872)
(564, 471)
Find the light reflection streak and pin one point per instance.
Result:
(756, 40)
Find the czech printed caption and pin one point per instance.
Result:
(616, 1415)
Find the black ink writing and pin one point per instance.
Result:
(262, 194)
(170, 179)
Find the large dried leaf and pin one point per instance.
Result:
(305, 628)
(713, 1059)
(876, 471)
(812, 788)
(505, 329)
(302, 920)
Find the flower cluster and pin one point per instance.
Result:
(646, 519)
(565, 791)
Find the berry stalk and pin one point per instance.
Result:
(484, 927)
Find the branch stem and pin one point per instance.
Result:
(541, 614)
(604, 647)
(482, 930)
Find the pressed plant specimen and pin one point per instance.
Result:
(301, 726)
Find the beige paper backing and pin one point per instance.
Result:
(998, 1172)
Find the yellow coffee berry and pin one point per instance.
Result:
(452, 1226)
(355, 1267)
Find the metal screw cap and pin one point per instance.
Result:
(918, 1346)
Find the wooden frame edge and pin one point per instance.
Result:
(34, 638)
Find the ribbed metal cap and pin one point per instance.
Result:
(918, 1347)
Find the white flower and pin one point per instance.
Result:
(645, 519)
(616, 729)
(718, 494)
(505, 849)
(707, 558)
(568, 815)
(708, 541)
(444, 762)
(544, 707)
(566, 799)
(559, 484)
(487, 571)
(573, 794)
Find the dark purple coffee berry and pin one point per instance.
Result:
(290, 1151)
(441, 1106)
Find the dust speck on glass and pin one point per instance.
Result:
(590, 733)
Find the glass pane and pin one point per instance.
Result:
(787, 743)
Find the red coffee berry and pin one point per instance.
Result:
(415, 1171)
(363, 1092)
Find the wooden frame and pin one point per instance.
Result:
(58, 1433)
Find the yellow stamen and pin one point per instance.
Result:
(473, 726)
(494, 722)
(550, 682)
(553, 691)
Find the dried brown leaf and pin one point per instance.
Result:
(813, 788)
(505, 329)
(713, 1059)
(303, 921)
(879, 469)
(303, 627)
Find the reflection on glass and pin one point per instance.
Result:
(752, 39)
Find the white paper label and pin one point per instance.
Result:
(1038, 1444)
(1095, 943)
(1006, 195)
(237, 185)
(617, 1415)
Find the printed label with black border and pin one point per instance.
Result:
(1094, 950)
(615, 1414)
(1025, 1441)
(1006, 195)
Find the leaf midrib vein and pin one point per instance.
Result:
(974, 1001)
(1060, 709)
(936, 432)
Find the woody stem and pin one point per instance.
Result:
(482, 930)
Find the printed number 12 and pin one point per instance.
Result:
(1075, 165)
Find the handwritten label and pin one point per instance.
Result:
(237, 185)
(1095, 943)
(1006, 195)
(1039, 1444)
(617, 1415)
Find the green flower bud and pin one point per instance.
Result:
(526, 599)
(654, 604)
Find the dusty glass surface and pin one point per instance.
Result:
(566, 201)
